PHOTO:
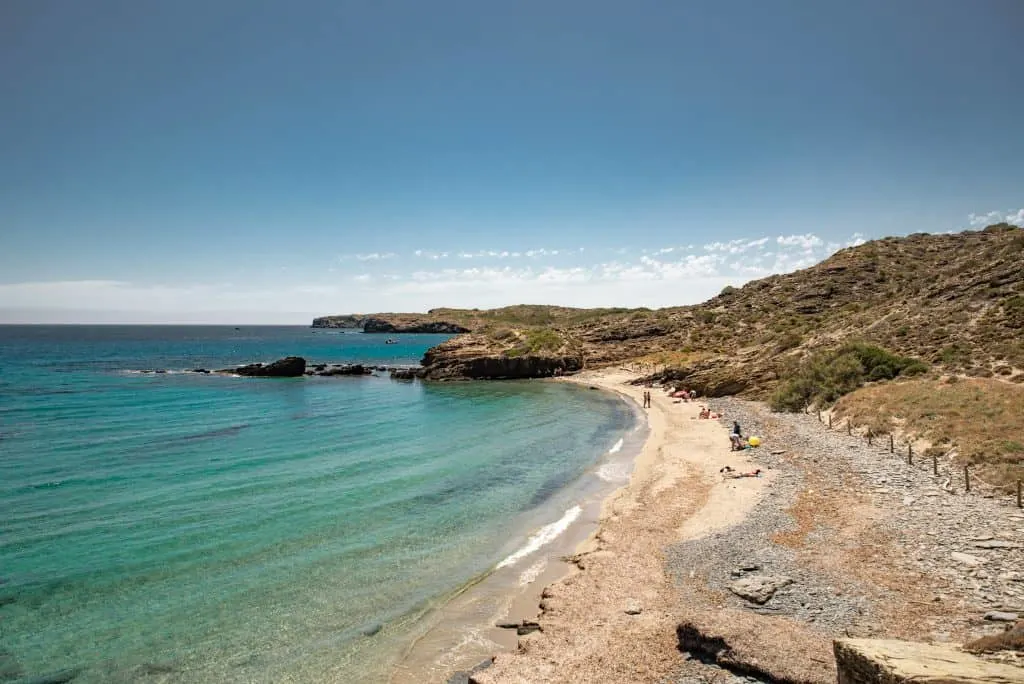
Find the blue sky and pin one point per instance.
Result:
(243, 161)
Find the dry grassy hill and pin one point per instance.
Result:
(955, 301)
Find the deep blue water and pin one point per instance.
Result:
(188, 528)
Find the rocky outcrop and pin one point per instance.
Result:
(342, 369)
(504, 368)
(393, 323)
(481, 356)
(379, 325)
(759, 588)
(344, 321)
(887, 661)
(288, 367)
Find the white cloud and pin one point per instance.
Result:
(663, 277)
(1014, 218)
(807, 241)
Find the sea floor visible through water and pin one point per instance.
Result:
(179, 527)
(464, 631)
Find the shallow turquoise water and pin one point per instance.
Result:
(191, 528)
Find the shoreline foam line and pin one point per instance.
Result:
(543, 536)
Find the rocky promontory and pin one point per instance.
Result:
(392, 323)
(475, 356)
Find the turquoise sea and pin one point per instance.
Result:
(179, 527)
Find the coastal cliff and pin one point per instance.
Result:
(391, 323)
(476, 356)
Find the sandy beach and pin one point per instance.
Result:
(648, 597)
(612, 618)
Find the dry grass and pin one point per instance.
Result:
(981, 418)
(1010, 640)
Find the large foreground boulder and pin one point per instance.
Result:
(288, 367)
(888, 661)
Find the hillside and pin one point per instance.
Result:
(955, 301)
(929, 308)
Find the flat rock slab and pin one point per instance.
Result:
(1000, 616)
(759, 588)
(966, 559)
(888, 661)
(995, 544)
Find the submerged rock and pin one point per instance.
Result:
(347, 369)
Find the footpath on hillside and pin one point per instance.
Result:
(694, 577)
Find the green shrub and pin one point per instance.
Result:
(826, 376)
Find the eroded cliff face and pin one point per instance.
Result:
(480, 357)
(380, 325)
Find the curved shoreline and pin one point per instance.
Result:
(462, 631)
(612, 617)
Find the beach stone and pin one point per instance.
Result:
(759, 588)
(966, 559)
(466, 677)
(527, 627)
(633, 607)
(1000, 616)
(996, 544)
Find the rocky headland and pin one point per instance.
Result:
(953, 301)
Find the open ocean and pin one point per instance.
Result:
(181, 527)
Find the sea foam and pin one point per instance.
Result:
(544, 535)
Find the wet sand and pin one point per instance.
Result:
(608, 613)
(461, 632)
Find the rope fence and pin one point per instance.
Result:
(970, 480)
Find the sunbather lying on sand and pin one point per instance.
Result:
(735, 475)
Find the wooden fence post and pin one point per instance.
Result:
(849, 428)
(830, 421)
(1018, 495)
(967, 479)
(892, 444)
(935, 464)
(910, 453)
(869, 437)
(819, 416)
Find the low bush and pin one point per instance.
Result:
(824, 377)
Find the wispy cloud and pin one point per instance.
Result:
(664, 276)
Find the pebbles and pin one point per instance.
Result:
(970, 547)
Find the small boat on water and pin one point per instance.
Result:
(391, 340)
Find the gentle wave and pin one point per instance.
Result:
(544, 535)
(531, 573)
(614, 472)
(616, 448)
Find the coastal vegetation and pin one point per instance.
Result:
(825, 376)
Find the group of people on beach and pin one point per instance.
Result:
(736, 440)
